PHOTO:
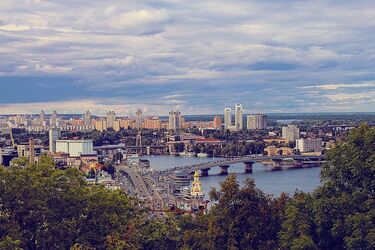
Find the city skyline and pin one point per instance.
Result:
(311, 56)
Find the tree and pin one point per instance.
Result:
(179, 147)
(46, 208)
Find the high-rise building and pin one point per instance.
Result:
(54, 135)
(138, 119)
(238, 120)
(217, 122)
(53, 121)
(175, 120)
(309, 145)
(42, 118)
(227, 118)
(87, 118)
(152, 123)
(256, 121)
(101, 125)
(290, 133)
(111, 117)
(116, 125)
(125, 123)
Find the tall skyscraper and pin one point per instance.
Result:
(138, 119)
(87, 118)
(227, 118)
(54, 135)
(111, 117)
(256, 121)
(291, 133)
(53, 121)
(42, 118)
(238, 120)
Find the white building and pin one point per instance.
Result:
(238, 120)
(309, 145)
(256, 121)
(54, 135)
(227, 118)
(175, 120)
(291, 133)
(87, 118)
(75, 147)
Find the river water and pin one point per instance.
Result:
(271, 182)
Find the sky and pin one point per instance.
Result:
(196, 56)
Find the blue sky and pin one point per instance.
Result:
(199, 56)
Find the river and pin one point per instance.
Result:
(271, 182)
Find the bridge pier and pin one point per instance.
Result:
(277, 163)
(148, 150)
(204, 172)
(249, 167)
(224, 169)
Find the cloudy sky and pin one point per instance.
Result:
(199, 56)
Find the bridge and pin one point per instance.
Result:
(224, 164)
(105, 149)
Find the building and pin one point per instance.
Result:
(75, 147)
(111, 117)
(256, 121)
(125, 123)
(309, 145)
(101, 125)
(152, 123)
(175, 120)
(290, 133)
(54, 135)
(180, 180)
(238, 120)
(42, 119)
(138, 119)
(53, 120)
(196, 186)
(116, 125)
(217, 122)
(87, 118)
(274, 151)
(227, 118)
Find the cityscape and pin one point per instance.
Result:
(187, 125)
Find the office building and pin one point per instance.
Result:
(256, 121)
(175, 120)
(217, 122)
(138, 119)
(309, 145)
(227, 118)
(75, 148)
(54, 135)
(87, 118)
(111, 117)
(238, 120)
(290, 133)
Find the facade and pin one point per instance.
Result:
(152, 123)
(238, 121)
(256, 121)
(75, 147)
(227, 118)
(217, 122)
(125, 123)
(111, 117)
(116, 125)
(87, 118)
(42, 119)
(291, 133)
(54, 135)
(309, 145)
